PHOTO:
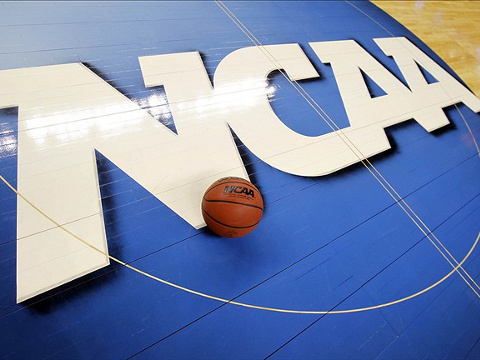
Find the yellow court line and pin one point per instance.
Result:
(246, 305)
(345, 139)
(471, 134)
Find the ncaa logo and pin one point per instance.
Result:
(177, 167)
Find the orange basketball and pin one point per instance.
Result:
(232, 207)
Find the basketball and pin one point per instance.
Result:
(232, 207)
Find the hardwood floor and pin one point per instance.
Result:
(450, 28)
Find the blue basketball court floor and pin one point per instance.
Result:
(115, 117)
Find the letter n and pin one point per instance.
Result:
(65, 113)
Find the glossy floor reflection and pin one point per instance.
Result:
(115, 116)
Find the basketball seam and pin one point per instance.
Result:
(229, 226)
(234, 202)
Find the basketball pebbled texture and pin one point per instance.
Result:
(232, 207)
